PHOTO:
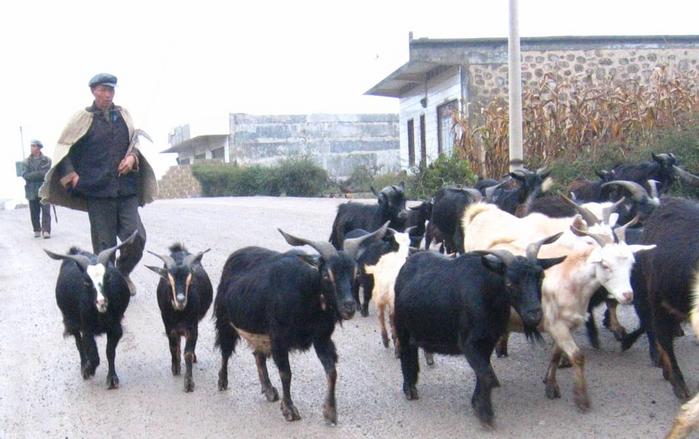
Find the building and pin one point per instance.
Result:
(338, 142)
(443, 76)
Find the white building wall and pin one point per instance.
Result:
(442, 88)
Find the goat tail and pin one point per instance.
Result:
(694, 302)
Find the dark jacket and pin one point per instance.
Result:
(96, 157)
(35, 168)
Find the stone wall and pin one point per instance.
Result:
(487, 81)
(179, 182)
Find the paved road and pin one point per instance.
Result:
(43, 395)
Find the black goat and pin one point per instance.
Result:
(462, 305)
(184, 296)
(591, 191)
(417, 217)
(449, 205)
(667, 281)
(531, 186)
(390, 207)
(92, 296)
(663, 168)
(280, 302)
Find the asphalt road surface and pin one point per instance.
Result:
(42, 393)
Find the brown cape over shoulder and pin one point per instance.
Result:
(52, 191)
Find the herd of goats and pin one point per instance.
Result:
(502, 256)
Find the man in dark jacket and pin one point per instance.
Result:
(100, 169)
(35, 168)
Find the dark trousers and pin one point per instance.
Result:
(117, 217)
(34, 207)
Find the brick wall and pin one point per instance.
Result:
(179, 182)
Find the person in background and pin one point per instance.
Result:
(98, 168)
(35, 168)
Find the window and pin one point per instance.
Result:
(218, 153)
(182, 161)
(411, 143)
(201, 156)
(423, 141)
(445, 135)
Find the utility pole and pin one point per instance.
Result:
(21, 140)
(515, 90)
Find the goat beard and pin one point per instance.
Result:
(533, 335)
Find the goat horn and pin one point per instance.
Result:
(653, 184)
(638, 192)
(506, 256)
(686, 177)
(169, 262)
(105, 255)
(191, 259)
(599, 239)
(352, 246)
(325, 249)
(589, 217)
(534, 247)
(475, 194)
(81, 260)
(490, 190)
(620, 232)
(608, 211)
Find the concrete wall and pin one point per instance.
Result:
(338, 143)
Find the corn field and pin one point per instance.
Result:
(564, 116)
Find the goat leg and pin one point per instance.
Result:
(392, 322)
(189, 347)
(267, 388)
(382, 324)
(91, 355)
(327, 354)
(281, 359)
(552, 389)
(664, 330)
(174, 339)
(617, 329)
(477, 354)
(79, 345)
(113, 338)
(501, 345)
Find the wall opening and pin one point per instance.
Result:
(445, 135)
(423, 141)
(411, 143)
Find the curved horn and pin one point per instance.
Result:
(506, 256)
(686, 177)
(81, 260)
(490, 190)
(105, 255)
(191, 259)
(325, 249)
(352, 246)
(169, 262)
(534, 247)
(620, 232)
(589, 217)
(638, 192)
(608, 211)
(653, 185)
(599, 239)
(475, 194)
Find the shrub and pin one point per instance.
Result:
(295, 177)
(445, 171)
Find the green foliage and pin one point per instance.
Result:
(294, 177)
(445, 171)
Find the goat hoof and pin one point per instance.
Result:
(194, 359)
(222, 381)
(176, 369)
(565, 363)
(365, 311)
(396, 350)
(410, 392)
(594, 342)
(188, 384)
(429, 358)
(681, 391)
(500, 353)
(88, 370)
(484, 413)
(330, 414)
(270, 393)
(619, 334)
(384, 340)
(289, 411)
(581, 401)
(552, 391)
(112, 382)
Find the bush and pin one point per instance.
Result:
(445, 171)
(295, 177)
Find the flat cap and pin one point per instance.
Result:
(37, 143)
(103, 79)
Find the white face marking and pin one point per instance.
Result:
(96, 274)
(613, 265)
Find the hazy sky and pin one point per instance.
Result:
(181, 61)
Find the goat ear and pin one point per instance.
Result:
(493, 263)
(517, 176)
(160, 271)
(641, 248)
(416, 207)
(550, 262)
(655, 157)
